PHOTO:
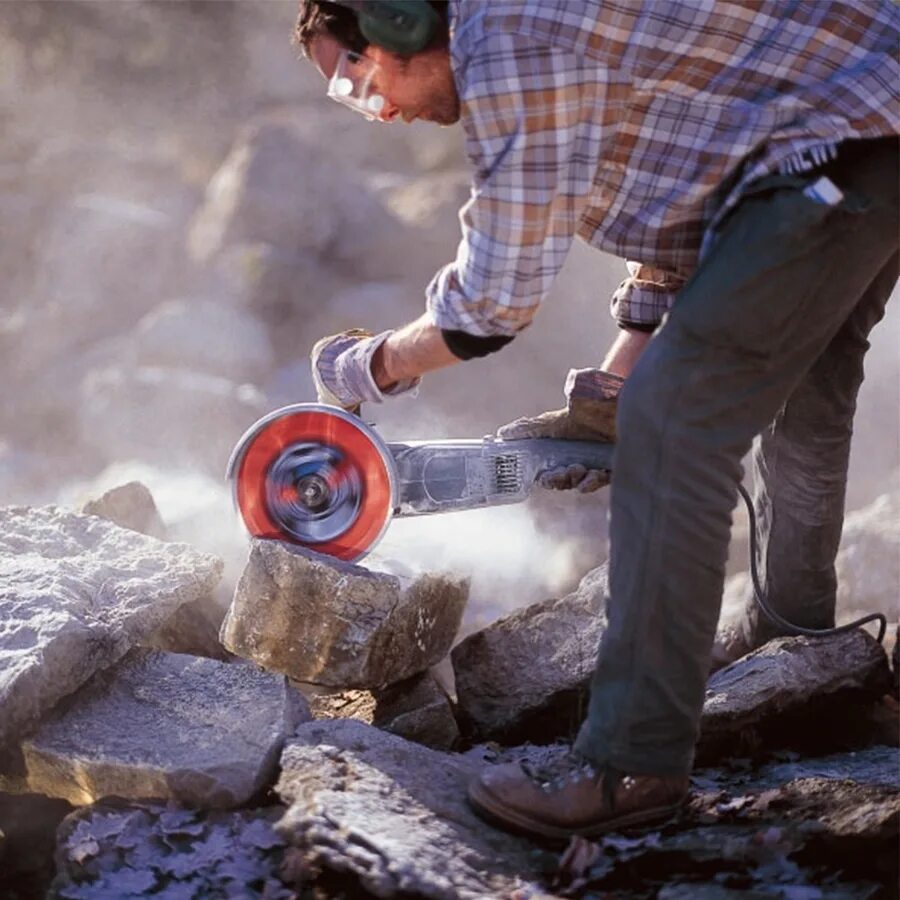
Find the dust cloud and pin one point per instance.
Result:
(183, 214)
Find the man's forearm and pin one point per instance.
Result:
(411, 351)
(624, 353)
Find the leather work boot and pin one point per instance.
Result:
(570, 797)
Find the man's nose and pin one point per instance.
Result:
(389, 112)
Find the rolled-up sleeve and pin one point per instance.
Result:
(521, 106)
(643, 298)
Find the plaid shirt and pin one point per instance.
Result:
(637, 124)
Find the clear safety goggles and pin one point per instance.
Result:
(351, 84)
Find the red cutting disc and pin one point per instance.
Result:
(363, 459)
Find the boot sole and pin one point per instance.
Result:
(490, 809)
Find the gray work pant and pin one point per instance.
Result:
(771, 329)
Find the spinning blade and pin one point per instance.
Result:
(316, 476)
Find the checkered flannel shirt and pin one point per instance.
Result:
(636, 124)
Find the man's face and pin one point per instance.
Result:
(416, 87)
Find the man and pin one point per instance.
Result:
(746, 156)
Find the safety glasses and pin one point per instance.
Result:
(351, 84)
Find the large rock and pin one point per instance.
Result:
(76, 593)
(417, 709)
(319, 620)
(275, 188)
(169, 726)
(173, 417)
(114, 850)
(394, 814)
(793, 689)
(525, 677)
(205, 336)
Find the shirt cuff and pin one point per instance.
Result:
(451, 310)
(642, 300)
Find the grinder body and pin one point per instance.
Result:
(320, 477)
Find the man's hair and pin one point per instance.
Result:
(322, 17)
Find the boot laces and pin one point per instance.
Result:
(556, 770)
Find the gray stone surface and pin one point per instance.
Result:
(417, 709)
(525, 677)
(319, 620)
(790, 678)
(129, 506)
(112, 850)
(394, 814)
(168, 726)
(76, 593)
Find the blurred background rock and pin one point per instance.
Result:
(183, 214)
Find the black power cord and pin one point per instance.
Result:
(778, 620)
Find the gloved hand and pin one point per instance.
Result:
(342, 369)
(589, 415)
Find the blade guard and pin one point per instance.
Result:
(316, 476)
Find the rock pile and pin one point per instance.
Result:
(334, 755)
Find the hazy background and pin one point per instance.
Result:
(183, 213)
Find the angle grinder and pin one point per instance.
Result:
(320, 477)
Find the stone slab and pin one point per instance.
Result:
(169, 726)
(394, 814)
(76, 593)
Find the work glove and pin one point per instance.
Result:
(342, 369)
(589, 415)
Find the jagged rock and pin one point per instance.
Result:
(129, 506)
(794, 687)
(256, 195)
(172, 417)
(868, 562)
(417, 709)
(168, 726)
(205, 336)
(114, 850)
(76, 593)
(394, 814)
(525, 676)
(193, 629)
(319, 620)
(260, 195)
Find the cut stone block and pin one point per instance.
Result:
(795, 683)
(166, 726)
(417, 709)
(319, 620)
(394, 814)
(114, 850)
(525, 677)
(76, 593)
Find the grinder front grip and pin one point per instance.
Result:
(320, 477)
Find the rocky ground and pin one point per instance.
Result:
(317, 740)
(183, 216)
